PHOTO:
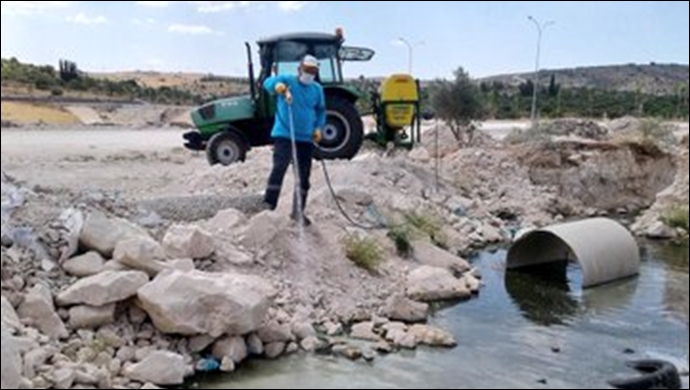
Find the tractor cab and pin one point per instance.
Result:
(281, 55)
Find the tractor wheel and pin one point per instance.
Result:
(344, 131)
(226, 148)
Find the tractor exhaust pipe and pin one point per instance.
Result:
(250, 65)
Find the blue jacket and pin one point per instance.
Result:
(308, 108)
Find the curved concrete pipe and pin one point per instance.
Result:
(605, 250)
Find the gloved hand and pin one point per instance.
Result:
(318, 136)
(282, 89)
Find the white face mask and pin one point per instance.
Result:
(307, 78)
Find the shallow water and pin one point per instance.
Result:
(520, 332)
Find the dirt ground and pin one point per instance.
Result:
(132, 162)
(137, 163)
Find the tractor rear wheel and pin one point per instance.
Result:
(226, 148)
(344, 131)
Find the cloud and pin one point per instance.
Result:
(31, 7)
(153, 4)
(190, 29)
(292, 6)
(82, 18)
(148, 23)
(221, 6)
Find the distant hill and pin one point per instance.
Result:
(653, 79)
(24, 80)
(198, 84)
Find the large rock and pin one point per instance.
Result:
(224, 222)
(400, 308)
(63, 378)
(228, 252)
(188, 242)
(38, 309)
(85, 265)
(261, 230)
(197, 303)
(659, 231)
(11, 362)
(141, 254)
(428, 284)
(273, 332)
(431, 255)
(159, 368)
(183, 265)
(81, 317)
(432, 337)
(199, 343)
(274, 350)
(364, 331)
(473, 284)
(491, 234)
(234, 348)
(36, 358)
(9, 316)
(71, 223)
(303, 330)
(103, 289)
(102, 234)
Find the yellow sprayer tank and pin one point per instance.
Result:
(399, 96)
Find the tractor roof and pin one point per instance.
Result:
(302, 37)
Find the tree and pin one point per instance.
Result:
(458, 103)
(68, 71)
(527, 88)
(553, 87)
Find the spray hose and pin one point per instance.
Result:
(329, 183)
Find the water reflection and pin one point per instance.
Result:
(676, 288)
(543, 293)
(500, 349)
(551, 294)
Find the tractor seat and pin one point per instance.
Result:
(399, 98)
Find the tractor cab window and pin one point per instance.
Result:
(288, 55)
(328, 73)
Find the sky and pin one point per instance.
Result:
(484, 37)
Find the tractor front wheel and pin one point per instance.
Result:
(344, 131)
(226, 148)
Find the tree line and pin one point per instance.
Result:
(69, 78)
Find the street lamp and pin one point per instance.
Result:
(540, 30)
(410, 48)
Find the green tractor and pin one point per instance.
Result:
(227, 129)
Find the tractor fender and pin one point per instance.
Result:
(349, 94)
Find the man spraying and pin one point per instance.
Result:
(300, 116)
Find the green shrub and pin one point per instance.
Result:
(402, 237)
(676, 217)
(364, 252)
(430, 226)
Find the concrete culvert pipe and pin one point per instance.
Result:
(605, 250)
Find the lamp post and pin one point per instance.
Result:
(541, 27)
(410, 48)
